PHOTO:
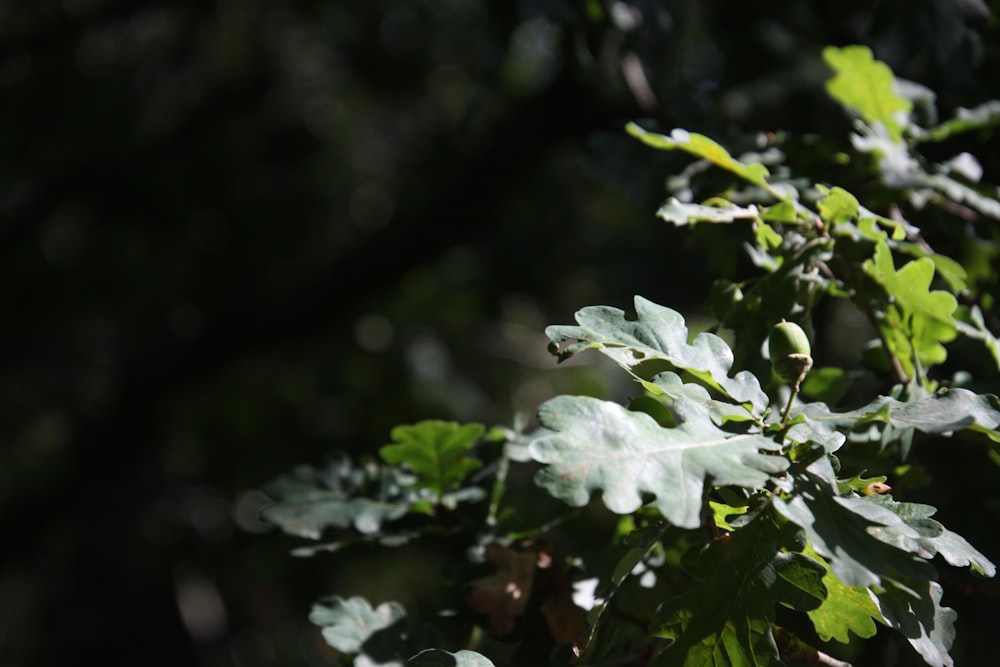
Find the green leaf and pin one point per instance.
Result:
(944, 412)
(436, 451)
(703, 147)
(925, 317)
(351, 626)
(433, 657)
(865, 85)
(679, 213)
(840, 529)
(984, 115)
(837, 206)
(592, 445)
(658, 334)
(846, 609)
(932, 537)
(671, 386)
(726, 618)
(309, 500)
(914, 609)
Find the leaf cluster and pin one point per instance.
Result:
(729, 491)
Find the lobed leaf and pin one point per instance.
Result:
(436, 451)
(726, 618)
(932, 537)
(658, 334)
(840, 529)
(846, 610)
(352, 626)
(915, 610)
(590, 445)
(865, 85)
(944, 412)
(925, 317)
(701, 146)
(309, 500)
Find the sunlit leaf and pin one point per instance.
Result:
(865, 85)
(348, 623)
(925, 316)
(437, 452)
(657, 334)
(703, 147)
(984, 115)
(846, 610)
(680, 214)
(590, 445)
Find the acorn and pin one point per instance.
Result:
(791, 354)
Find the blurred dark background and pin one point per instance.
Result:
(237, 235)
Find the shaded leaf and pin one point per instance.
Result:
(591, 445)
(865, 85)
(932, 537)
(726, 618)
(840, 529)
(433, 657)
(339, 495)
(436, 451)
(915, 611)
(658, 334)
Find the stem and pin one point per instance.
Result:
(499, 486)
(791, 400)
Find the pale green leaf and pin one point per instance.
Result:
(932, 537)
(980, 198)
(705, 148)
(309, 500)
(914, 609)
(671, 386)
(984, 115)
(679, 213)
(946, 411)
(437, 452)
(433, 657)
(658, 334)
(865, 85)
(590, 445)
(352, 626)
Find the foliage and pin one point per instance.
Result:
(741, 501)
